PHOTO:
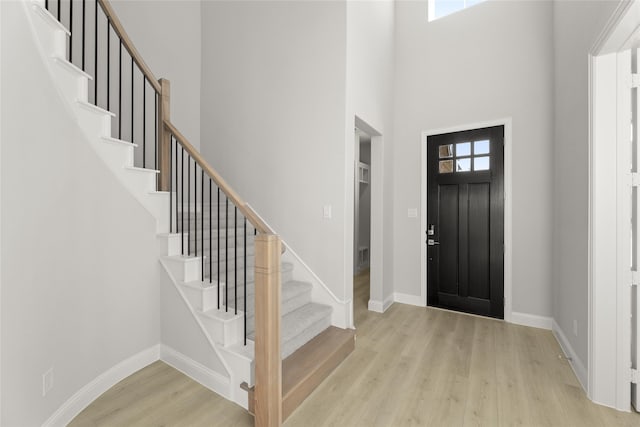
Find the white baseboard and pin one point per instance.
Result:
(381, 306)
(196, 371)
(90, 392)
(409, 299)
(575, 362)
(532, 320)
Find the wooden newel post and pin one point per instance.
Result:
(164, 139)
(268, 363)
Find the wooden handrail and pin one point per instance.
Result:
(245, 209)
(128, 44)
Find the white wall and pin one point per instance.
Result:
(369, 96)
(488, 62)
(168, 36)
(577, 24)
(273, 119)
(79, 260)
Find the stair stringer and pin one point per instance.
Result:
(71, 84)
(238, 368)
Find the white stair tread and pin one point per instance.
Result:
(94, 108)
(64, 63)
(142, 170)
(222, 314)
(112, 140)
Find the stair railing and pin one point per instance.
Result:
(198, 195)
(121, 81)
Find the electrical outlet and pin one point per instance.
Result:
(575, 327)
(47, 382)
(326, 212)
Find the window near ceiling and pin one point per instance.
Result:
(440, 8)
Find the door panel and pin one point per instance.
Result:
(465, 209)
(479, 250)
(449, 231)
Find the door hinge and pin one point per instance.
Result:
(635, 179)
(635, 80)
(635, 377)
(635, 278)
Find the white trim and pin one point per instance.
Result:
(381, 306)
(623, 233)
(103, 382)
(532, 320)
(408, 299)
(196, 371)
(574, 361)
(508, 207)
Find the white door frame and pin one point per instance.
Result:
(609, 308)
(508, 207)
(376, 184)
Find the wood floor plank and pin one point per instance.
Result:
(412, 366)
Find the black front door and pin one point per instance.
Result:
(465, 221)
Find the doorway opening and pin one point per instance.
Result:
(362, 219)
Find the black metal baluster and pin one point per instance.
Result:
(218, 248)
(46, 4)
(71, 31)
(120, 91)
(155, 136)
(132, 101)
(175, 173)
(95, 55)
(182, 192)
(245, 280)
(202, 217)
(58, 10)
(83, 27)
(171, 185)
(144, 130)
(235, 258)
(210, 237)
(108, 63)
(226, 255)
(195, 207)
(189, 204)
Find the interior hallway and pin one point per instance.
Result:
(412, 367)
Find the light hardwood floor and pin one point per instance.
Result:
(412, 367)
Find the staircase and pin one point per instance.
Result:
(207, 234)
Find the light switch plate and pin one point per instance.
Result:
(412, 213)
(326, 212)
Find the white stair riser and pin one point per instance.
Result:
(74, 86)
(94, 124)
(52, 39)
(169, 244)
(224, 332)
(142, 182)
(184, 269)
(116, 155)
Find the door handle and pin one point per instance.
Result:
(431, 242)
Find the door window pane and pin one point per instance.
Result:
(463, 165)
(445, 151)
(481, 163)
(445, 166)
(481, 147)
(463, 149)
